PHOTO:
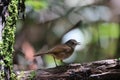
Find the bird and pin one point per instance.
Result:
(61, 51)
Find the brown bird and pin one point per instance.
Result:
(61, 51)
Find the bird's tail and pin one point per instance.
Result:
(40, 54)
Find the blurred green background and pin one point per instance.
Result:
(50, 22)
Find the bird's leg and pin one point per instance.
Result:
(63, 63)
(55, 61)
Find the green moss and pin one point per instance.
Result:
(8, 38)
(32, 75)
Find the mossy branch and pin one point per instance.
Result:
(8, 38)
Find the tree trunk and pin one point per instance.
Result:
(9, 14)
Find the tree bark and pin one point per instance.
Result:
(98, 70)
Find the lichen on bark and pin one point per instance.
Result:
(8, 38)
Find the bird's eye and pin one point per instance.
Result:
(72, 43)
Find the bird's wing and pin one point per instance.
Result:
(54, 50)
(60, 48)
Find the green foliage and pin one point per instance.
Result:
(32, 75)
(109, 30)
(36, 4)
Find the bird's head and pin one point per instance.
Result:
(72, 43)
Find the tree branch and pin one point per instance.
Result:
(98, 70)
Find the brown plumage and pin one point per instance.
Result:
(61, 51)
